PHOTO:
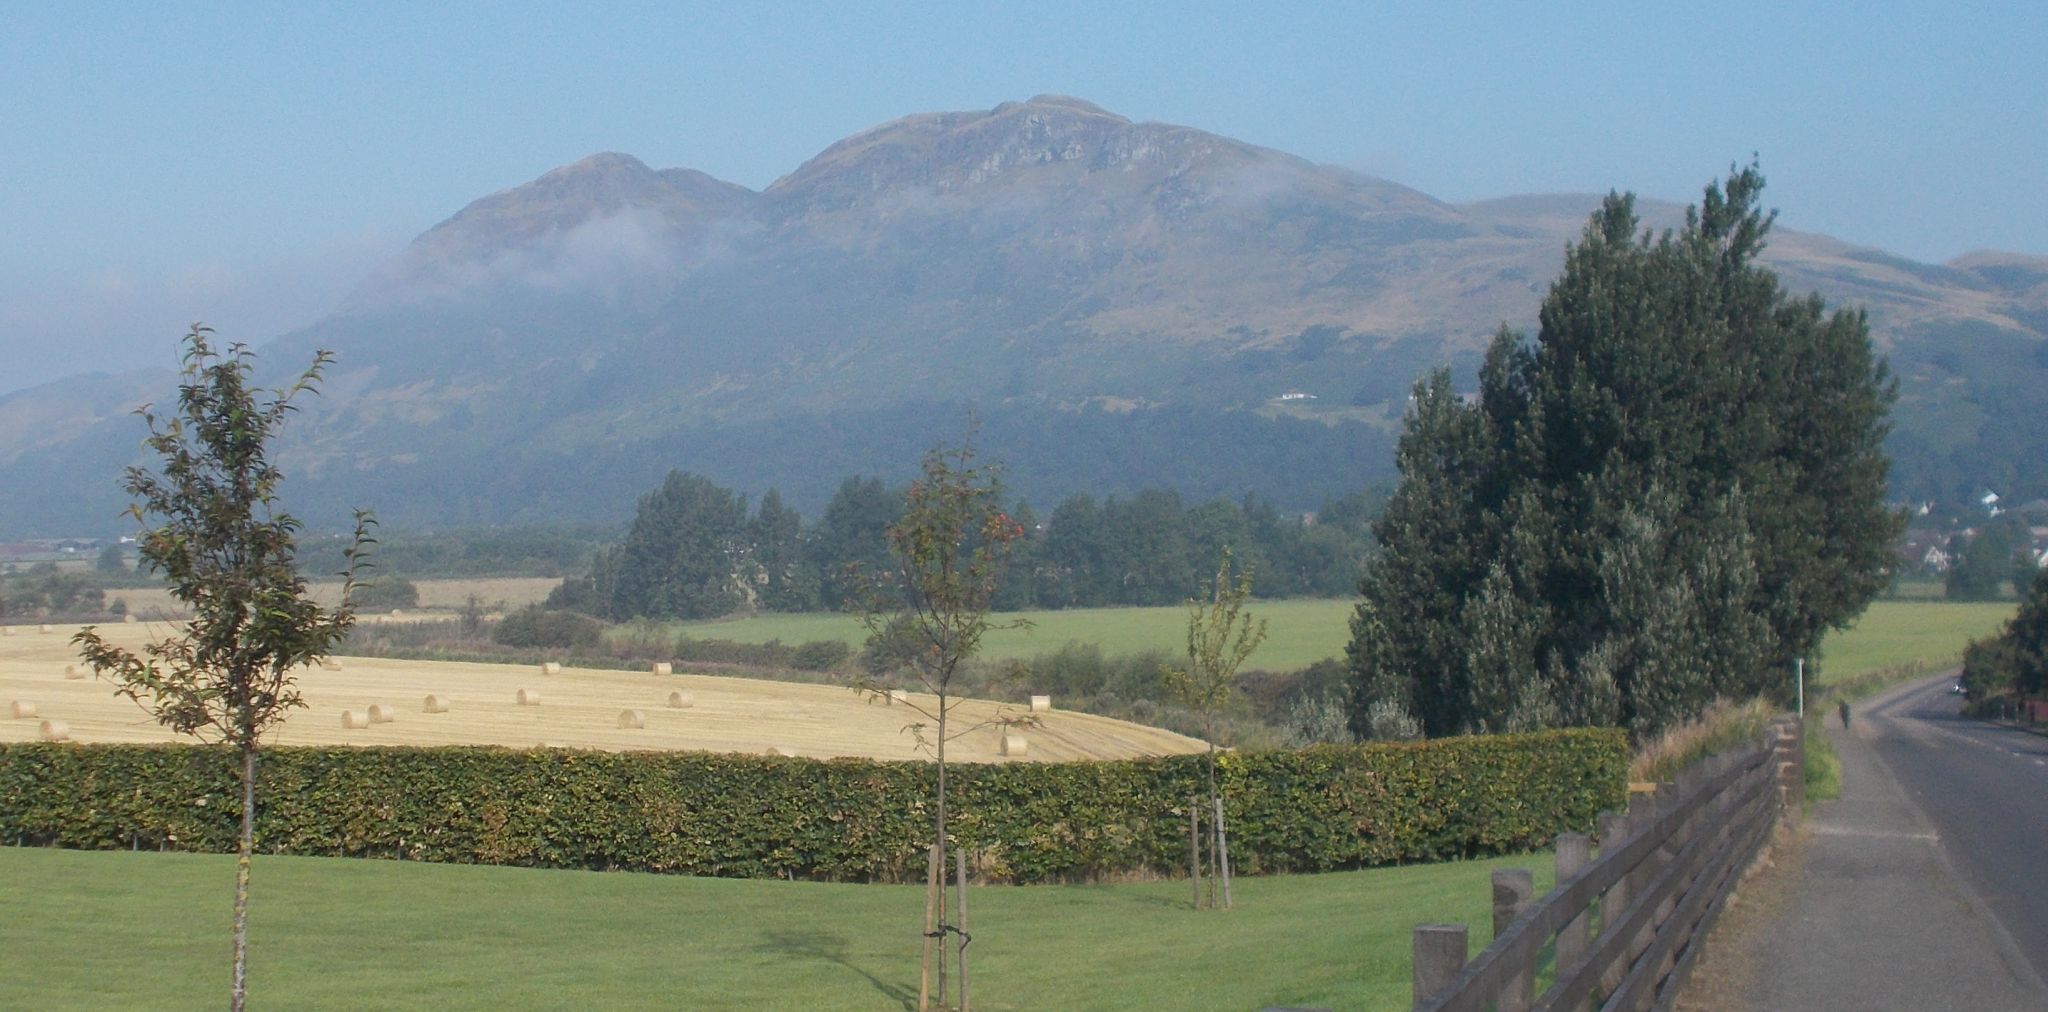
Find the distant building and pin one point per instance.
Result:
(1925, 551)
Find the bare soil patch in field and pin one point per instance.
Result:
(578, 708)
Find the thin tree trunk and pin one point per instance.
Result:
(245, 844)
(940, 821)
(1195, 849)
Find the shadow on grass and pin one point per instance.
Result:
(830, 948)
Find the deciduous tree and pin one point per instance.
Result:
(1221, 634)
(213, 528)
(947, 550)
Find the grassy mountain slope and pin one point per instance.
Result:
(1124, 303)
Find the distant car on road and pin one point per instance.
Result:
(1957, 689)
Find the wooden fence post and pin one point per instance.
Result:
(1439, 958)
(1574, 852)
(1643, 811)
(932, 884)
(1514, 889)
(1614, 831)
(1788, 752)
(960, 907)
(1222, 852)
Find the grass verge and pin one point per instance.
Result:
(124, 930)
(1823, 768)
(1723, 726)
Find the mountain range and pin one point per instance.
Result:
(1118, 304)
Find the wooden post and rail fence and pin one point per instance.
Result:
(1622, 929)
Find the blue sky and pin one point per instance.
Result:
(245, 163)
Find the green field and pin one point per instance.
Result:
(1305, 631)
(1300, 632)
(119, 930)
(1917, 634)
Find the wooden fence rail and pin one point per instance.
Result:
(1664, 870)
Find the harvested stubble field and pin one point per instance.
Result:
(578, 708)
(435, 595)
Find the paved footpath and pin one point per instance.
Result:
(1863, 911)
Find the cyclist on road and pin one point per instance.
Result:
(1844, 705)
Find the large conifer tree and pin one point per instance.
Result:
(1675, 490)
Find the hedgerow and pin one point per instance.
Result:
(1312, 809)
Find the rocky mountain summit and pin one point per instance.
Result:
(549, 350)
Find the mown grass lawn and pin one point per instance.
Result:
(121, 930)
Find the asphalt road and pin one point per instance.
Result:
(1984, 791)
(1920, 888)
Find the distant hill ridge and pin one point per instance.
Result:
(547, 351)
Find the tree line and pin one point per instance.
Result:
(697, 550)
(2003, 672)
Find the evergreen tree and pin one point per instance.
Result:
(1150, 535)
(787, 580)
(684, 557)
(1675, 490)
(851, 537)
(1075, 546)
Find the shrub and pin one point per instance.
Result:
(387, 591)
(820, 655)
(892, 649)
(577, 593)
(1075, 669)
(1313, 809)
(534, 627)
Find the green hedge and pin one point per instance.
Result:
(1314, 809)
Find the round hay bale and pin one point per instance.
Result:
(23, 708)
(1013, 744)
(632, 719)
(128, 619)
(6, 630)
(529, 697)
(354, 720)
(663, 668)
(681, 700)
(397, 613)
(56, 730)
(381, 714)
(781, 750)
(73, 672)
(436, 704)
(42, 628)
(898, 696)
(1041, 704)
(330, 663)
(551, 668)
